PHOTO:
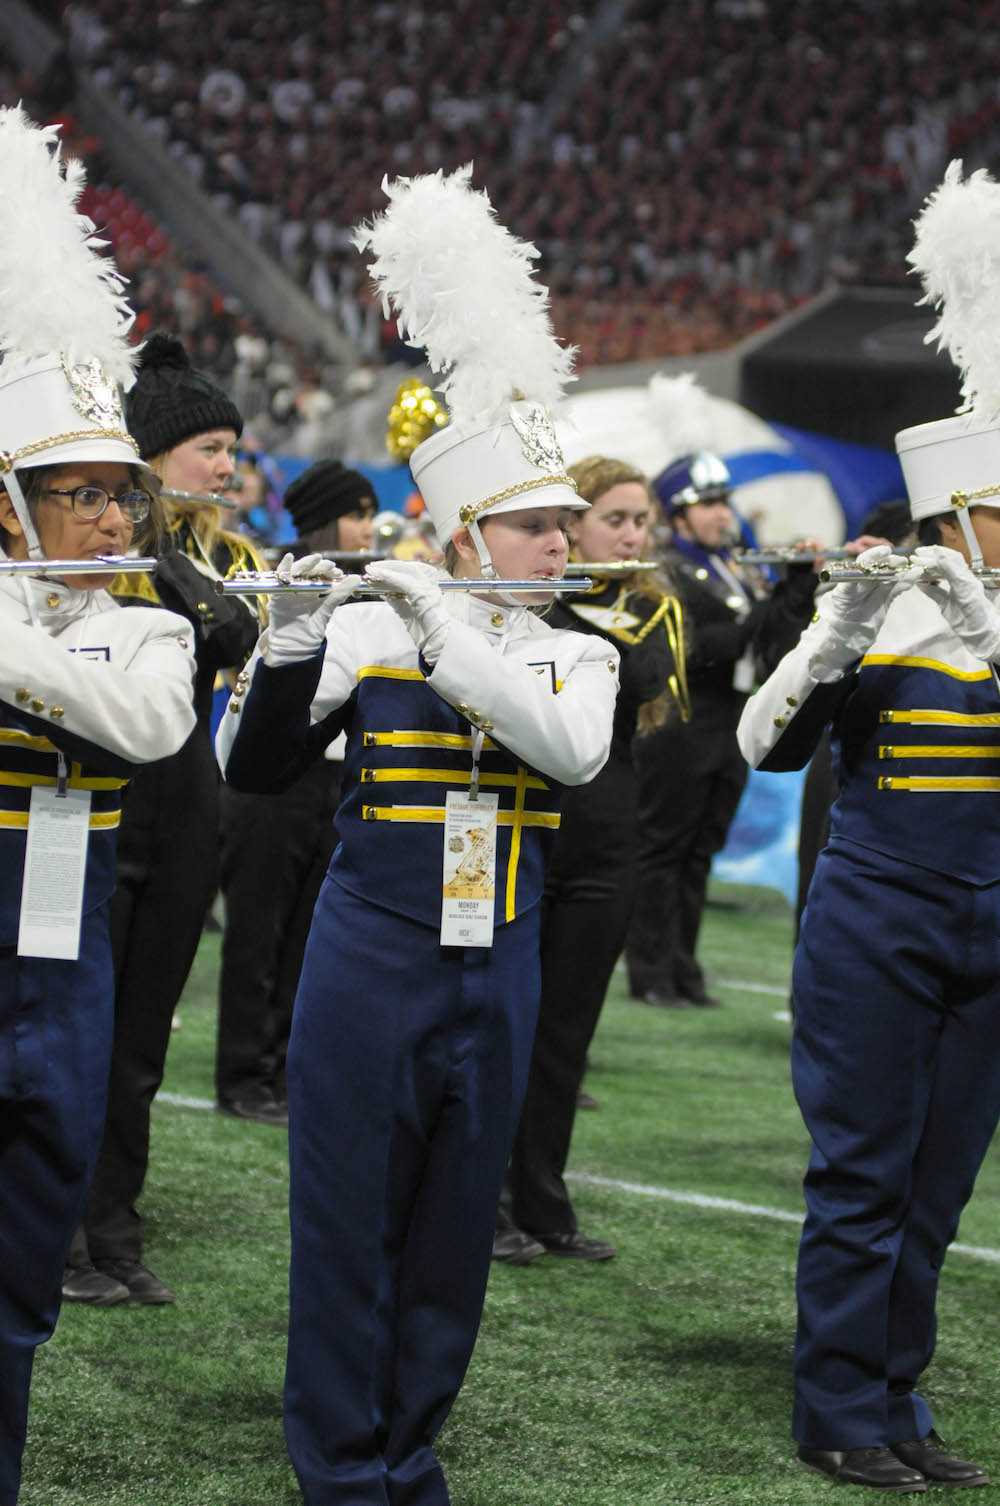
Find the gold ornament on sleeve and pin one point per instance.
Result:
(415, 415)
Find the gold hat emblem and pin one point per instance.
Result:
(537, 433)
(95, 396)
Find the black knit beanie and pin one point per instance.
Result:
(171, 402)
(327, 490)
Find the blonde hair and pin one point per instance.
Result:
(594, 476)
(205, 521)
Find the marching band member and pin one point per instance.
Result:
(896, 982)
(691, 774)
(87, 691)
(186, 428)
(590, 885)
(466, 716)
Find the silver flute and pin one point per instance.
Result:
(114, 564)
(885, 569)
(199, 499)
(787, 554)
(609, 567)
(269, 583)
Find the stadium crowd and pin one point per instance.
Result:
(628, 163)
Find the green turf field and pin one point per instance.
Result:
(658, 1379)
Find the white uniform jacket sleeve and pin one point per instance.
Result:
(783, 721)
(567, 735)
(136, 703)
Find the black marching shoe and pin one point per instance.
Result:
(84, 1283)
(878, 1467)
(660, 999)
(259, 1106)
(577, 1246)
(141, 1284)
(514, 1247)
(699, 996)
(929, 1455)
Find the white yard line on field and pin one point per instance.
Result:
(642, 1189)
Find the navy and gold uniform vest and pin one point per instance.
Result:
(26, 760)
(406, 749)
(918, 744)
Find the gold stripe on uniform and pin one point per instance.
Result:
(445, 776)
(939, 750)
(98, 820)
(423, 740)
(75, 782)
(928, 783)
(434, 814)
(902, 662)
(25, 740)
(942, 718)
(515, 839)
(386, 672)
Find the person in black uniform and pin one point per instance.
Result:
(276, 849)
(186, 427)
(591, 882)
(691, 774)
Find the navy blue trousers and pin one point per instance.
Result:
(407, 1066)
(896, 1068)
(56, 1022)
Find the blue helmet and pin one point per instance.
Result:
(693, 478)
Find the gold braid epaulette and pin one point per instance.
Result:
(671, 614)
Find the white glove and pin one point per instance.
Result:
(852, 613)
(413, 592)
(297, 624)
(962, 600)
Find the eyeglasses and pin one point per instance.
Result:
(91, 501)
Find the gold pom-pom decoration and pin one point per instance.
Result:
(415, 415)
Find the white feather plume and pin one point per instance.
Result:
(58, 293)
(461, 288)
(682, 411)
(957, 254)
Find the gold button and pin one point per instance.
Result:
(462, 708)
(701, 575)
(37, 705)
(611, 665)
(22, 695)
(486, 726)
(497, 619)
(183, 642)
(815, 617)
(234, 707)
(886, 752)
(367, 775)
(240, 690)
(885, 716)
(369, 813)
(371, 740)
(57, 711)
(791, 700)
(53, 599)
(779, 721)
(203, 606)
(885, 784)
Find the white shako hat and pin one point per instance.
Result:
(461, 288)
(467, 473)
(64, 321)
(953, 464)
